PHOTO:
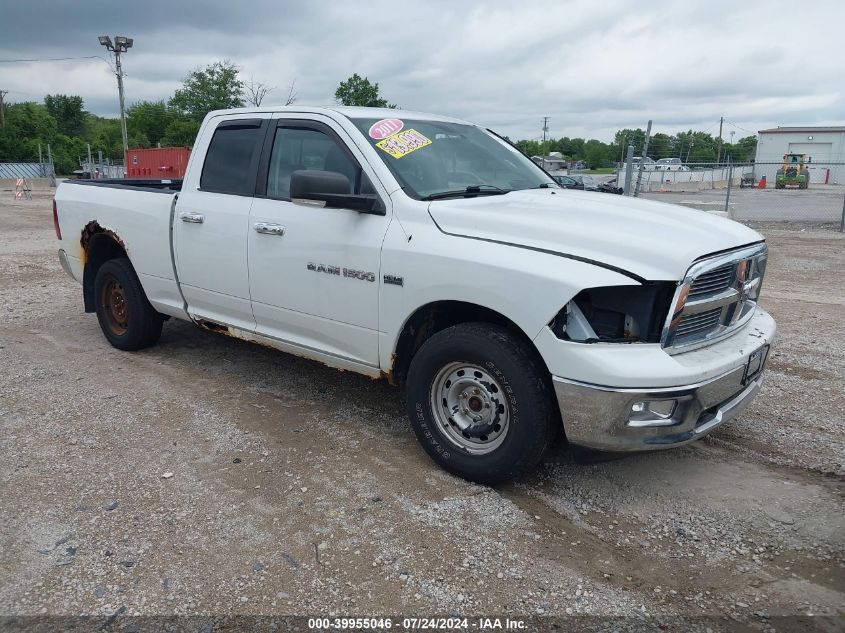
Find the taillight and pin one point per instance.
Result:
(56, 220)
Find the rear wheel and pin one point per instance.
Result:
(479, 402)
(126, 317)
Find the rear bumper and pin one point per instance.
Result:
(602, 418)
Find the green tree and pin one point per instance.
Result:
(104, 136)
(661, 146)
(529, 148)
(181, 133)
(215, 87)
(27, 125)
(596, 153)
(743, 151)
(358, 91)
(696, 147)
(68, 112)
(149, 120)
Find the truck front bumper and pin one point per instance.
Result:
(641, 419)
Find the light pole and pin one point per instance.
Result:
(121, 45)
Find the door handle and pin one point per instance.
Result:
(196, 218)
(269, 229)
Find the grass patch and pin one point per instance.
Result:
(599, 170)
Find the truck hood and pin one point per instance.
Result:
(651, 240)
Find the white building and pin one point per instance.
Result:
(825, 146)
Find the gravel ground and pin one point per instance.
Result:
(211, 476)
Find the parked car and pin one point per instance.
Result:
(670, 164)
(567, 182)
(648, 163)
(429, 252)
(587, 183)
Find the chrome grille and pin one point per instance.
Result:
(717, 295)
(713, 281)
(692, 324)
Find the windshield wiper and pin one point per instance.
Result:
(472, 190)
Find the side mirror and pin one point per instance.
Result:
(333, 189)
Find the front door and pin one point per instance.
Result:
(314, 271)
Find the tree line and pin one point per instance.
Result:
(62, 122)
(690, 147)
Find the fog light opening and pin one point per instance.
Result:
(652, 413)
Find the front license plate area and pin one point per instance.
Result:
(755, 364)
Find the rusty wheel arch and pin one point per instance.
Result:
(98, 245)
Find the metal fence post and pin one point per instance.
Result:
(629, 170)
(728, 196)
(842, 221)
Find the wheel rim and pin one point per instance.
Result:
(115, 308)
(470, 407)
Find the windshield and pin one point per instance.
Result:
(436, 159)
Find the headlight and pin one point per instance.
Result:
(615, 314)
(755, 276)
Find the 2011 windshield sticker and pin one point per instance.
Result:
(385, 127)
(403, 143)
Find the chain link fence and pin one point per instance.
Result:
(811, 194)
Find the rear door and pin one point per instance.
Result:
(314, 271)
(212, 221)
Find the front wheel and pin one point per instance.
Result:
(480, 403)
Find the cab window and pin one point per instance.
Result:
(231, 160)
(306, 148)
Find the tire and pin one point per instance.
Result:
(126, 317)
(514, 392)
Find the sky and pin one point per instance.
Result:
(592, 67)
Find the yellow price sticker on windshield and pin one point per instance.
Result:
(403, 143)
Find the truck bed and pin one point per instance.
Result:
(145, 184)
(138, 214)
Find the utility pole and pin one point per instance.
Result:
(119, 74)
(719, 150)
(121, 45)
(3, 93)
(545, 131)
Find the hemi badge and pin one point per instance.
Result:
(394, 280)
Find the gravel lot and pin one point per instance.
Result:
(296, 489)
(820, 203)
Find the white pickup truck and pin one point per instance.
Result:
(430, 252)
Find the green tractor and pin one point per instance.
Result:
(794, 172)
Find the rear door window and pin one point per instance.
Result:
(231, 160)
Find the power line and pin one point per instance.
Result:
(50, 59)
(740, 127)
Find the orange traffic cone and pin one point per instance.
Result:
(762, 184)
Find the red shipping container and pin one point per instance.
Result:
(157, 162)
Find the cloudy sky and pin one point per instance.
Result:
(593, 67)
